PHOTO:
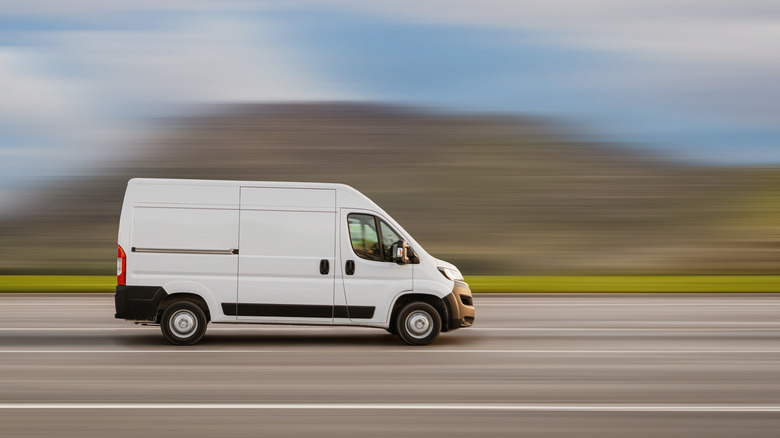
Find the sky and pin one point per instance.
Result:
(81, 81)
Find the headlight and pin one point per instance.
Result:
(451, 274)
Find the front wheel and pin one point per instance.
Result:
(183, 323)
(418, 323)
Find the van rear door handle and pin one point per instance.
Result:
(324, 266)
(350, 267)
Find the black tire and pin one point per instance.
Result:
(418, 323)
(183, 323)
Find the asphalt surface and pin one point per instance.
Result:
(532, 365)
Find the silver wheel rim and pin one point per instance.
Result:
(183, 323)
(419, 324)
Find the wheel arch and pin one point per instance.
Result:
(183, 296)
(189, 290)
(437, 303)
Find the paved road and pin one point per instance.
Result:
(533, 365)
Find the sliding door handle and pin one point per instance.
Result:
(324, 267)
(349, 268)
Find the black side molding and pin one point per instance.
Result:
(353, 312)
(298, 310)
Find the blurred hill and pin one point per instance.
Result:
(492, 194)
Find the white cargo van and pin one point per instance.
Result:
(194, 251)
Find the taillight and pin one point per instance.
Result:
(121, 267)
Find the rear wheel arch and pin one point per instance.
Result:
(183, 296)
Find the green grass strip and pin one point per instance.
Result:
(486, 284)
(56, 283)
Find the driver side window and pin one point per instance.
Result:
(371, 243)
(364, 236)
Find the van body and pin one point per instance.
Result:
(193, 252)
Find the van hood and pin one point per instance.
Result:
(441, 263)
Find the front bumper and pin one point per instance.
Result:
(138, 303)
(460, 307)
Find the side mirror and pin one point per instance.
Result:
(401, 252)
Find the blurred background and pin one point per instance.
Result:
(509, 137)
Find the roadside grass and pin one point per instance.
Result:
(57, 283)
(483, 284)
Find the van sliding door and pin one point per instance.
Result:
(287, 247)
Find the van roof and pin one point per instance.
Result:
(237, 183)
(350, 194)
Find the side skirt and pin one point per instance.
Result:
(298, 310)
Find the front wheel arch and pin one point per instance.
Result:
(433, 300)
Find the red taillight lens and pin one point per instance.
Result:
(121, 267)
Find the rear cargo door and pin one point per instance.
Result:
(287, 247)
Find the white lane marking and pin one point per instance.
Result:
(612, 329)
(639, 322)
(390, 350)
(249, 328)
(517, 299)
(520, 300)
(64, 329)
(57, 304)
(150, 327)
(72, 329)
(404, 406)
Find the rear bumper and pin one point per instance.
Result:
(138, 303)
(460, 307)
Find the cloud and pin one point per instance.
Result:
(700, 29)
(94, 65)
(50, 125)
(32, 96)
(76, 95)
(711, 57)
(195, 60)
(689, 29)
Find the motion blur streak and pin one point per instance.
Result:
(568, 144)
(502, 195)
(339, 381)
(395, 407)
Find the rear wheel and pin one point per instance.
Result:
(418, 323)
(183, 323)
